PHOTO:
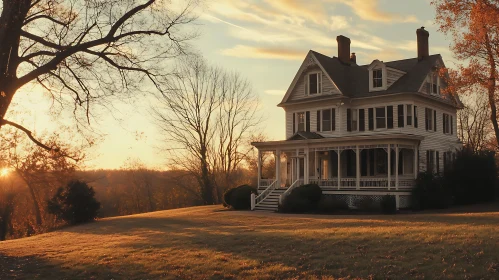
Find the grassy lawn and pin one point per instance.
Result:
(207, 243)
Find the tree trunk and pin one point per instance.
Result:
(206, 184)
(491, 88)
(38, 214)
(11, 21)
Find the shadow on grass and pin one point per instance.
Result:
(263, 246)
(323, 246)
(34, 267)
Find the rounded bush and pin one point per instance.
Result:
(389, 204)
(75, 203)
(227, 196)
(304, 198)
(239, 198)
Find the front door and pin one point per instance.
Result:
(301, 166)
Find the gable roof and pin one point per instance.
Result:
(353, 80)
(305, 135)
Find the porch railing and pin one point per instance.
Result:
(325, 182)
(371, 183)
(295, 184)
(266, 182)
(266, 192)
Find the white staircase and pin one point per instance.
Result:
(271, 201)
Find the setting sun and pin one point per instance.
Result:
(4, 172)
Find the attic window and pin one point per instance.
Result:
(433, 83)
(377, 78)
(314, 83)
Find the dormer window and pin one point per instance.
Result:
(377, 78)
(314, 83)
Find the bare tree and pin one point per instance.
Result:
(84, 52)
(40, 169)
(238, 119)
(206, 114)
(474, 126)
(141, 179)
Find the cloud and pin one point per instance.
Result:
(264, 53)
(338, 22)
(369, 10)
(275, 92)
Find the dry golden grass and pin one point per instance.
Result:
(207, 243)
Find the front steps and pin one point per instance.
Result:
(271, 202)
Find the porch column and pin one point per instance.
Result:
(259, 163)
(389, 165)
(316, 165)
(396, 167)
(415, 161)
(278, 167)
(297, 166)
(306, 167)
(339, 168)
(357, 162)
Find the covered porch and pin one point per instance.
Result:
(386, 163)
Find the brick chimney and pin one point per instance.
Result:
(423, 49)
(353, 58)
(343, 49)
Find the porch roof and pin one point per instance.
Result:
(339, 141)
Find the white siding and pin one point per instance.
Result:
(437, 141)
(392, 76)
(299, 92)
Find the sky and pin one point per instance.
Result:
(265, 41)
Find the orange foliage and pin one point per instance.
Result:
(474, 27)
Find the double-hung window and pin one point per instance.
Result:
(432, 85)
(409, 114)
(380, 117)
(377, 78)
(447, 119)
(430, 121)
(326, 120)
(301, 121)
(430, 160)
(314, 83)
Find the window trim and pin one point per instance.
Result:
(377, 79)
(434, 75)
(376, 119)
(430, 112)
(378, 65)
(319, 83)
(298, 121)
(409, 114)
(353, 111)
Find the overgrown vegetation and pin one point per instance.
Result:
(471, 178)
(302, 199)
(75, 203)
(239, 198)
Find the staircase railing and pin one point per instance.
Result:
(295, 184)
(266, 192)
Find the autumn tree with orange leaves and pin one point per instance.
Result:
(474, 27)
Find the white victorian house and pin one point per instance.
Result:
(362, 129)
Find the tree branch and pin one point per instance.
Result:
(29, 134)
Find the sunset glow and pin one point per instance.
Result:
(4, 172)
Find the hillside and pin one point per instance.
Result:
(208, 242)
